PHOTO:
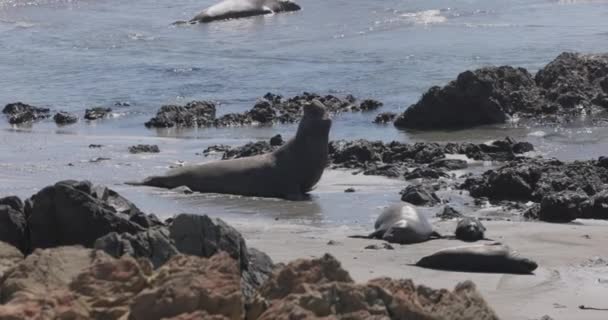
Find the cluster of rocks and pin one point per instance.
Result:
(561, 191)
(79, 251)
(268, 110)
(393, 159)
(571, 85)
(20, 113)
(144, 148)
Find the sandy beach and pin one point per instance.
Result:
(571, 271)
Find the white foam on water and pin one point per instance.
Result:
(425, 17)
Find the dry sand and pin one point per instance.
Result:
(571, 271)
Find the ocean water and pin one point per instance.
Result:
(74, 54)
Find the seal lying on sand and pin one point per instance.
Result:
(289, 172)
(495, 258)
(234, 9)
(402, 223)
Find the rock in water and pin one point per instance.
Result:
(144, 148)
(385, 117)
(484, 96)
(193, 114)
(65, 118)
(19, 113)
(97, 113)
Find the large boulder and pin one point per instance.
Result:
(13, 228)
(97, 113)
(484, 96)
(72, 212)
(204, 237)
(561, 207)
(596, 207)
(419, 195)
(65, 118)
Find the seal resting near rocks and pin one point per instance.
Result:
(402, 223)
(234, 9)
(492, 258)
(289, 172)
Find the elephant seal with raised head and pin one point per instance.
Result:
(289, 172)
(234, 9)
(492, 258)
(470, 229)
(402, 223)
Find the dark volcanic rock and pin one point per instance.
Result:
(385, 117)
(13, 227)
(13, 202)
(154, 244)
(533, 179)
(448, 213)
(18, 113)
(144, 148)
(419, 195)
(218, 148)
(65, 118)
(370, 105)
(96, 113)
(484, 96)
(561, 207)
(425, 173)
(596, 207)
(72, 212)
(449, 164)
(571, 85)
(193, 114)
(575, 80)
(277, 141)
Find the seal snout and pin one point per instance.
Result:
(315, 109)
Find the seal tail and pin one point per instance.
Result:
(374, 235)
(153, 181)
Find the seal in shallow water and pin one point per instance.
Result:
(234, 9)
(492, 258)
(402, 223)
(290, 172)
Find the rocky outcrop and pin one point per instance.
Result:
(9, 257)
(570, 85)
(448, 213)
(18, 113)
(268, 110)
(144, 148)
(193, 114)
(392, 159)
(565, 190)
(311, 289)
(73, 212)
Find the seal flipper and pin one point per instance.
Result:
(374, 235)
